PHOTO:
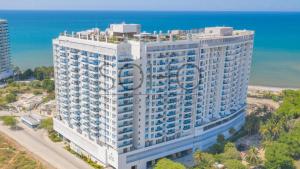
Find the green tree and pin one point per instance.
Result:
(168, 164)
(41, 73)
(17, 72)
(198, 157)
(11, 97)
(216, 148)
(272, 129)
(47, 124)
(204, 160)
(252, 124)
(278, 156)
(292, 139)
(234, 164)
(9, 121)
(48, 85)
(290, 106)
(252, 157)
(26, 74)
(230, 152)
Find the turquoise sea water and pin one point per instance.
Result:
(276, 60)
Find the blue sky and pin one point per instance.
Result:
(170, 5)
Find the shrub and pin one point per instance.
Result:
(168, 164)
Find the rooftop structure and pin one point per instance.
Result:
(127, 98)
(118, 33)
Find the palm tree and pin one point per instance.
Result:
(273, 128)
(17, 72)
(264, 132)
(252, 157)
(252, 124)
(198, 157)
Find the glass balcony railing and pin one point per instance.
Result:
(126, 131)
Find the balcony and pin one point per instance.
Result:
(125, 117)
(125, 144)
(125, 96)
(125, 103)
(171, 113)
(158, 129)
(125, 138)
(159, 122)
(125, 110)
(125, 89)
(171, 125)
(158, 135)
(170, 132)
(125, 131)
(125, 124)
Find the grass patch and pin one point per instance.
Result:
(53, 136)
(85, 158)
(48, 125)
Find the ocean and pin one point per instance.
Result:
(276, 60)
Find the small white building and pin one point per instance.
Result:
(30, 121)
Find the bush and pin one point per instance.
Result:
(278, 156)
(86, 159)
(234, 164)
(216, 148)
(47, 124)
(9, 121)
(54, 136)
(230, 152)
(292, 139)
(168, 164)
(203, 160)
(48, 85)
(11, 97)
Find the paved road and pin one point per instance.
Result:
(38, 143)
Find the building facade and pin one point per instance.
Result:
(5, 64)
(127, 98)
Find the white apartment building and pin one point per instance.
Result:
(5, 65)
(127, 98)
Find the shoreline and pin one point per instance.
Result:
(268, 88)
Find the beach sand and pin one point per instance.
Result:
(268, 88)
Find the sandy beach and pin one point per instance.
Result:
(256, 97)
(268, 88)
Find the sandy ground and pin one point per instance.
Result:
(16, 145)
(261, 102)
(267, 88)
(39, 145)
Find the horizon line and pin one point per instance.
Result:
(115, 10)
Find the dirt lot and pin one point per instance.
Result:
(13, 156)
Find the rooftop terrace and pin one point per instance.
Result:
(117, 33)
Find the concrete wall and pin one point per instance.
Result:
(139, 158)
(104, 154)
